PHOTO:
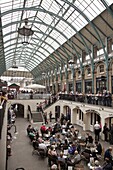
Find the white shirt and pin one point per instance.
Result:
(42, 146)
(97, 126)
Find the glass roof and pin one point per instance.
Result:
(53, 23)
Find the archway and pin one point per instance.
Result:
(91, 117)
(67, 112)
(75, 115)
(18, 109)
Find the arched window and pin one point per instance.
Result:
(101, 68)
(88, 71)
(79, 73)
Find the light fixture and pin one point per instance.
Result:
(25, 32)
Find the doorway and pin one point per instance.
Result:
(110, 122)
(18, 109)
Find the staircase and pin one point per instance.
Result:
(37, 117)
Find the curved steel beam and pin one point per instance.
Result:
(52, 14)
(40, 39)
(31, 48)
(28, 67)
(91, 23)
(35, 44)
(9, 58)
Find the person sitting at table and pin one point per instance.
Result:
(52, 156)
(107, 164)
(108, 154)
(87, 149)
(68, 134)
(93, 153)
(65, 145)
(72, 149)
(40, 140)
(49, 130)
(58, 139)
(54, 167)
(74, 159)
(32, 135)
(98, 147)
(89, 138)
(97, 165)
(43, 129)
(61, 161)
(76, 132)
(63, 127)
(68, 123)
(30, 129)
(35, 143)
(42, 146)
(52, 139)
(86, 153)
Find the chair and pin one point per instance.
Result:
(41, 152)
(52, 159)
(61, 165)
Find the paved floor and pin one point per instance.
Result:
(22, 150)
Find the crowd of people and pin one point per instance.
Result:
(104, 99)
(11, 123)
(64, 146)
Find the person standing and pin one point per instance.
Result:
(50, 116)
(97, 130)
(111, 135)
(105, 132)
(45, 117)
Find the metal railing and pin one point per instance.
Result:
(27, 96)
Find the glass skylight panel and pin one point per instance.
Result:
(61, 39)
(6, 44)
(55, 45)
(46, 53)
(54, 33)
(89, 15)
(48, 40)
(90, 7)
(54, 8)
(43, 28)
(95, 8)
(41, 50)
(48, 19)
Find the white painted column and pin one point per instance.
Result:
(61, 109)
(102, 123)
(85, 122)
(25, 110)
(72, 116)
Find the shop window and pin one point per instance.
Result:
(78, 87)
(88, 86)
(70, 87)
(100, 84)
(101, 68)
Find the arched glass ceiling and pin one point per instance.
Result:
(53, 23)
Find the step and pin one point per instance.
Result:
(37, 117)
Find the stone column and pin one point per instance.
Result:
(25, 110)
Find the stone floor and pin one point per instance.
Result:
(22, 149)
